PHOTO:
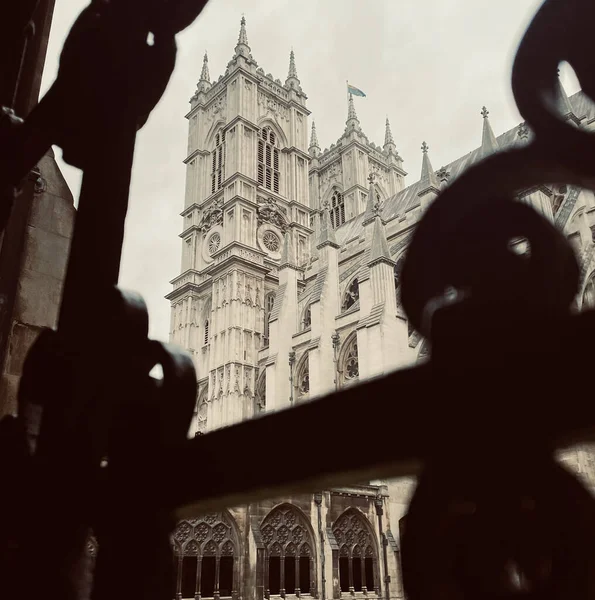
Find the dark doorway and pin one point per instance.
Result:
(357, 574)
(290, 574)
(344, 573)
(304, 575)
(226, 576)
(274, 575)
(207, 577)
(189, 566)
(369, 566)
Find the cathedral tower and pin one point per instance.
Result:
(246, 192)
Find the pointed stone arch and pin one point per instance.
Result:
(350, 296)
(302, 377)
(356, 558)
(260, 393)
(277, 129)
(289, 556)
(208, 553)
(348, 361)
(213, 130)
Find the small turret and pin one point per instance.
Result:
(389, 142)
(352, 123)
(292, 80)
(242, 48)
(204, 83)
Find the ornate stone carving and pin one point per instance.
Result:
(216, 108)
(286, 533)
(211, 216)
(270, 212)
(352, 535)
(272, 106)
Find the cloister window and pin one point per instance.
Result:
(307, 318)
(269, 302)
(351, 295)
(289, 553)
(349, 361)
(589, 293)
(218, 163)
(206, 554)
(303, 377)
(358, 556)
(337, 211)
(268, 160)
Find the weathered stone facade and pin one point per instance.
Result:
(289, 289)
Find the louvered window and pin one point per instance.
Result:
(268, 160)
(337, 210)
(218, 163)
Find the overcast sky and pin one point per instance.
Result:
(429, 65)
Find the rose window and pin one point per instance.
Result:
(214, 243)
(271, 241)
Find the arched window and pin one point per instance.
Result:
(260, 396)
(302, 382)
(307, 318)
(218, 162)
(589, 293)
(207, 557)
(289, 553)
(349, 361)
(351, 296)
(358, 555)
(337, 211)
(269, 302)
(200, 412)
(206, 332)
(268, 160)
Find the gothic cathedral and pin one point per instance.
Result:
(289, 289)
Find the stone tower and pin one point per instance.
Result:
(246, 198)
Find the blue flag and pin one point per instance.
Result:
(355, 91)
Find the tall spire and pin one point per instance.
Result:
(489, 143)
(389, 142)
(242, 48)
(352, 120)
(314, 148)
(204, 74)
(428, 181)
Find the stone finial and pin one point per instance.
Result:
(314, 148)
(424, 147)
(443, 174)
(523, 131)
(242, 47)
(204, 74)
(489, 143)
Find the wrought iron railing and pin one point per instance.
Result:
(488, 413)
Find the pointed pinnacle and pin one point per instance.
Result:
(327, 233)
(292, 69)
(388, 134)
(489, 144)
(314, 137)
(204, 75)
(428, 178)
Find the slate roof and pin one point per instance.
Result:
(408, 199)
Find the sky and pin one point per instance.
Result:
(429, 65)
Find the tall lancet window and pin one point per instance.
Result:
(218, 162)
(269, 302)
(337, 209)
(268, 160)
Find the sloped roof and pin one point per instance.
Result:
(408, 198)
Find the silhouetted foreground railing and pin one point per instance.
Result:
(479, 422)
